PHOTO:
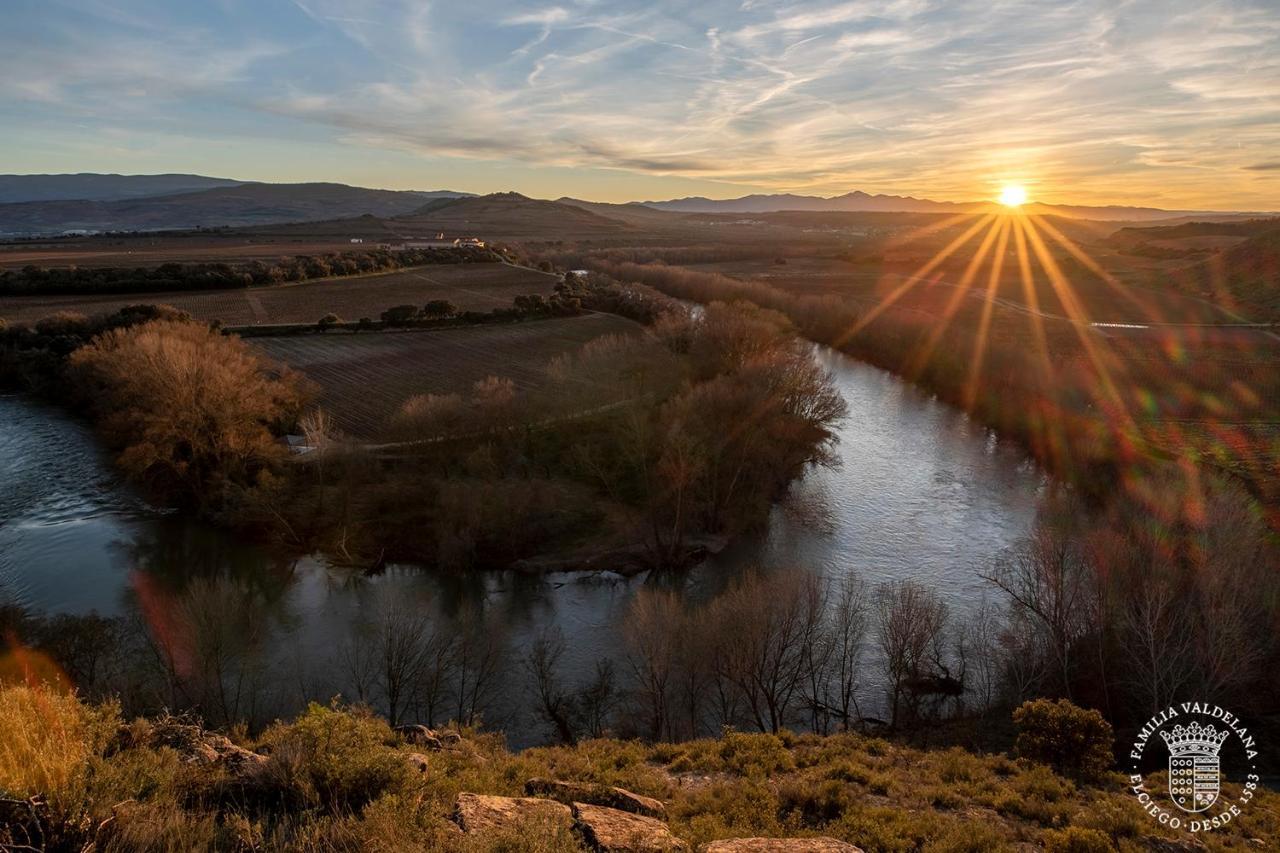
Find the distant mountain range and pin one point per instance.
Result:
(860, 202)
(57, 204)
(91, 187)
(41, 205)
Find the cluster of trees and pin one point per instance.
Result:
(209, 648)
(776, 650)
(1073, 615)
(1069, 406)
(690, 430)
(32, 356)
(522, 307)
(194, 414)
(1131, 609)
(217, 276)
(1076, 614)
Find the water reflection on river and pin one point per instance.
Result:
(922, 493)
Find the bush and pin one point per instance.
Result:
(336, 758)
(400, 314)
(328, 321)
(1074, 741)
(438, 308)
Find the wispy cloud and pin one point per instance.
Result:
(1145, 100)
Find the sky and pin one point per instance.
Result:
(1165, 103)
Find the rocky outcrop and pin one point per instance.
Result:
(780, 845)
(614, 831)
(479, 813)
(194, 745)
(420, 735)
(596, 795)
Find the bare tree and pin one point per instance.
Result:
(555, 703)
(773, 624)
(911, 620)
(1048, 578)
(652, 631)
(403, 634)
(478, 663)
(1157, 626)
(598, 699)
(846, 632)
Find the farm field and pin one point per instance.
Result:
(365, 378)
(473, 287)
(132, 252)
(1145, 296)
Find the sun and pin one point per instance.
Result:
(1013, 195)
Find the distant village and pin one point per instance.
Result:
(438, 242)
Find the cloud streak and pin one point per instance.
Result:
(1158, 102)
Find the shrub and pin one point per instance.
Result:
(438, 308)
(1072, 740)
(336, 758)
(328, 321)
(400, 314)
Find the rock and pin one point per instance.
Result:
(613, 831)
(481, 813)
(780, 845)
(420, 735)
(417, 761)
(194, 745)
(597, 795)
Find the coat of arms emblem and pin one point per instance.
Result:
(1193, 765)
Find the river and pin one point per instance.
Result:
(921, 493)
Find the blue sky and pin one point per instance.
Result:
(1171, 103)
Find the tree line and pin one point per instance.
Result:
(32, 280)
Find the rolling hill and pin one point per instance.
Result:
(1247, 274)
(509, 215)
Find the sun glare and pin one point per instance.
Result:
(1013, 195)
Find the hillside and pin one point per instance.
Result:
(1246, 275)
(95, 187)
(336, 779)
(509, 215)
(239, 205)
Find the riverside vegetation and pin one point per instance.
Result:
(485, 479)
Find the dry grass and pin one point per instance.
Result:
(337, 780)
(47, 738)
